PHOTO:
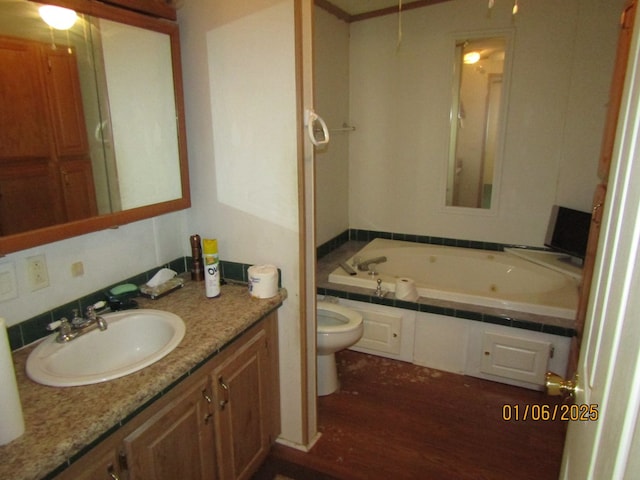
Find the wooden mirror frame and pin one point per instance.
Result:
(41, 236)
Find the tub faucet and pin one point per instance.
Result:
(364, 266)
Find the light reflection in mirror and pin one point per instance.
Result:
(477, 115)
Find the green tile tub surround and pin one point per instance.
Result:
(420, 306)
(368, 235)
(35, 328)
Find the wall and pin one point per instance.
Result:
(108, 257)
(399, 103)
(331, 91)
(240, 95)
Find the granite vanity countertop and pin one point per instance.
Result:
(60, 422)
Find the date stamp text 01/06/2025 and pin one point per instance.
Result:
(542, 413)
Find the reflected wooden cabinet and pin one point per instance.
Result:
(46, 174)
(218, 424)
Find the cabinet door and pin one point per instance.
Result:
(23, 122)
(515, 357)
(62, 82)
(28, 197)
(176, 442)
(243, 401)
(78, 189)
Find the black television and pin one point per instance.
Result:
(568, 231)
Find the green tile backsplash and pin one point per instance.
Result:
(35, 328)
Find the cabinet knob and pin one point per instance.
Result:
(207, 417)
(206, 397)
(112, 473)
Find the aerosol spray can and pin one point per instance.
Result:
(211, 267)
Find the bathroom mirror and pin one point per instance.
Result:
(92, 133)
(477, 118)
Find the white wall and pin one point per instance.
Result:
(240, 94)
(108, 257)
(331, 91)
(399, 102)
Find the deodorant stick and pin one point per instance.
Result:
(211, 267)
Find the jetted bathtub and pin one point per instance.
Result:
(479, 277)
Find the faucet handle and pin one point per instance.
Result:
(91, 309)
(65, 331)
(58, 324)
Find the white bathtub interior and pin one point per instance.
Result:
(478, 277)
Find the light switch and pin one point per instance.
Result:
(8, 283)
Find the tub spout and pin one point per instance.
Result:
(364, 266)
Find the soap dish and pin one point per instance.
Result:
(163, 289)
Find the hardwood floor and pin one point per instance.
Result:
(394, 420)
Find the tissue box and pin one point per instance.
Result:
(162, 289)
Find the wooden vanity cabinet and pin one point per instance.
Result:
(219, 423)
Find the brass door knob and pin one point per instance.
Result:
(558, 386)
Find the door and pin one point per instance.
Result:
(608, 367)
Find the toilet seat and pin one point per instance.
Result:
(333, 318)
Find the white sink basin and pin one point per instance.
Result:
(133, 340)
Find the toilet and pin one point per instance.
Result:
(338, 328)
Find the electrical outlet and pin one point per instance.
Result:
(37, 274)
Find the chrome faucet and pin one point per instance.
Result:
(92, 318)
(68, 330)
(364, 266)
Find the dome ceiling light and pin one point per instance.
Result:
(58, 17)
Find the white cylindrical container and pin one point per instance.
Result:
(11, 418)
(263, 281)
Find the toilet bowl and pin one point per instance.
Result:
(338, 328)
